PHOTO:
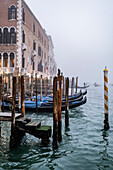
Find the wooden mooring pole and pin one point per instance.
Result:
(66, 104)
(41, 88)
(13, 102)
(72, 85)
(12, 137)
(3, 93)
(19, 93)
(59, 107)
(55, 113)
(31, 86)
(36, 90)
(22, 96)
(0, 98)
(0, 91)
(76, 84)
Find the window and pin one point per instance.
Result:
(23, 36)
(11, 59)
(39, 51)
(23, 15)
(12, 36)
(0, 36)
(34, 45)
(0, 60)
(5, 36)
(33, 27)
(40, 67)
(12, 12)
(5, 60)
(39, 35)
(23, 60)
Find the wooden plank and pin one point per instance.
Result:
(33, 125)
(6, 116)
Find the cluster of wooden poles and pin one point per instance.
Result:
(31, 83)
(20, 86)
(57, 99)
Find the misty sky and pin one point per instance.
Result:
(82, 33)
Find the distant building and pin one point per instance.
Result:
(25, 47)
(52, 67)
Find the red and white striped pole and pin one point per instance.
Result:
(106, 121)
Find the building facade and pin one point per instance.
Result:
(25, 48)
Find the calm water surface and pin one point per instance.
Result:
(85, 144)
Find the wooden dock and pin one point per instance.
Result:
(6, 116)
(19, 123)
(25, 125)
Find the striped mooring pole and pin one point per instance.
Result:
(106, 121)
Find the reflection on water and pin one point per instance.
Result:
(84, 145)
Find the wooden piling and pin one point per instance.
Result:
(19, 93)
(36, 90)
(22, 96)
(13, 103)
(55, 112)
(41, 88)
(10, 85)
(72, 85)
(59, 108)
(0, 128)
(3, 93)
(0, 91)
(76, 84)
(66, 104)
(0, 99)
(31, 86)
(16, 134)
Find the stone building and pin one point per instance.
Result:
(25, 47)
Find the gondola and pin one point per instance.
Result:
(31, 105)
(63, 101)
(83, 87)
(70, 97)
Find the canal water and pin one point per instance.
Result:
(85, 145)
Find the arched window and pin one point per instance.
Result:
(5, 36)
(12, 60)
(5, 60)
(12, 36)
(12, 12)
(0, 60)
(0, 36)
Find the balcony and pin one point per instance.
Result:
(24, 47)
(7, 70)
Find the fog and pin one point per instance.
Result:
(82, 33)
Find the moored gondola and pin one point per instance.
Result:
(31, 105)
